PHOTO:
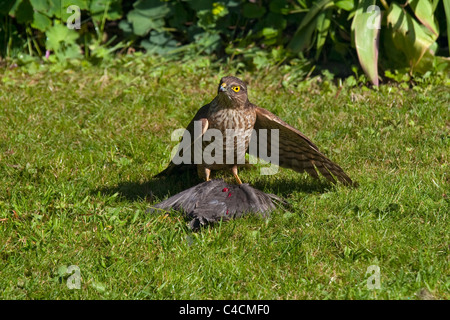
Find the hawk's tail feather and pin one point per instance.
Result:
(173, 169)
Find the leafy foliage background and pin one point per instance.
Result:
(252, 34)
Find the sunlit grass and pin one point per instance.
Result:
(78, 151)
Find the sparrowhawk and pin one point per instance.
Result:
(231, 109)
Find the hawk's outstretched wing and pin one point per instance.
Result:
(173, 168)
(296, 151)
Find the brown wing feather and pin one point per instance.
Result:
(173, 168)
(296, 151)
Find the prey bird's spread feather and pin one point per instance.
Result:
(231, 109)
(216, 200)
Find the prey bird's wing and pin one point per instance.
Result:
(296, 151)
(216, 200)
(173, 168)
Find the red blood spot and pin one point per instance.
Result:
(227, 211)
(225, 190)
(229, 195)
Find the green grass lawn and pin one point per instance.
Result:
(78, 150)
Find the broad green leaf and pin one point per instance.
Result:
(154, 9)
(82, 4)
(260, 61)
(143, 24)
(112, 9)
(126, 27)
(323, 25)
(206, 19)
(70, 51)
(59, 34)
(148, 15)
(159, 43)
(207, 42)
(301, 38)
(55, 8)
(40, 5)
(315, 9)
(41, 21)
(365, 29)
(12, 5)
(347, 5)
(423, 10)
(269, 33)
(408, 36)
(24, 12)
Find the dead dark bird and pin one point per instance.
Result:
(215, 200)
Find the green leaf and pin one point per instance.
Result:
(55, 8)
(347, 5)
(253, 11)
(24, 12)
(409, 37)
(260, 61)
(59, 34)
(41, 21)
(148, 15)
(143, 24)
(111, 8)
(159, 43)
(302, 36)
(365, 30)
(83, 4)
(71, 51)
(423, 10)
(323, 25)
(207, 42)
(62, 12)
(269, 33)
(206, 19)
(40, 5)
(303, 40)
(154, 9)
(126, 27)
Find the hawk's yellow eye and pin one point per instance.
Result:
(236, 88)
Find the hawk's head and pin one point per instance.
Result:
(233, 89)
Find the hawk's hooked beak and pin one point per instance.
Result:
(223, 88)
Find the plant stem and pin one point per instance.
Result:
(385, 5)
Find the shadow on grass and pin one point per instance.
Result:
(285, 187)
(157, 189)
(151, 190)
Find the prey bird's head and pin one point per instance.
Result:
(232, 91)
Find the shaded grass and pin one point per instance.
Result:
(78, 151)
